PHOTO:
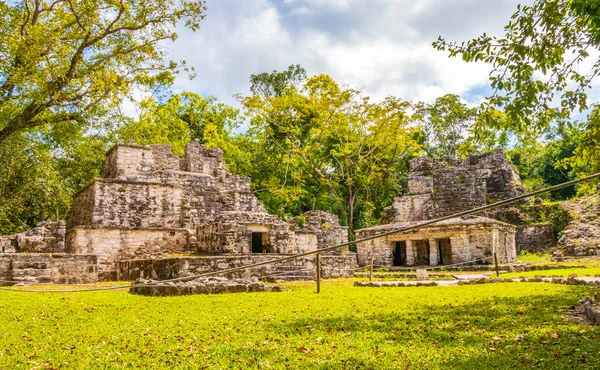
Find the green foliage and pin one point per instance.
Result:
(39, 176)
(344, 327)
(180, 119)
(72, 61)
(445, 124)
(585, 159)
(551, 162)
(539, 59)
(318, 145)
(548, 55)
(300, 220)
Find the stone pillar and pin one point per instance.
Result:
(496, 246)
(433, 252)
(410, 253)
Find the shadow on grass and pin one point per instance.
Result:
(499, 332)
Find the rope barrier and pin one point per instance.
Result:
(416, 226)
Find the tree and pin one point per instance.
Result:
(326, 146)
(69, 60)
(181, 118)
(548, 55)
(446, 123)
(41, 171)
(547, 163)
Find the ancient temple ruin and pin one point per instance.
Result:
(442, 188)
(156, 214)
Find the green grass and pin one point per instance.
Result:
(558, 272)
(345, 327)
(533, 258)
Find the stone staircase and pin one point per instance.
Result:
(31, 272)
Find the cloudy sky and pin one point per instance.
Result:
(381, 46)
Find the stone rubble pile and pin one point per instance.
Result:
(210, 285)
(46, 237)
(581, 237)
(591, 311)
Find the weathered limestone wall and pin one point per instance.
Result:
(210, 285)
(165, 159)
(581, 237)
(326, 227)
(152, 203)
(203, 160)
(441, 188)
(306, 241)
(170, 268)
(127, 204)
(501, 177)
(232, 232)
(129, 161)
(113, 244)
(455, 189)
(406, 209)
(535, 238)
(468, 243)
(57, 268)
(46, 237)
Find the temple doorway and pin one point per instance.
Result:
(400, 254)
(445, 251)
(258, 242)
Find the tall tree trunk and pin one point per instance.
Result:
(5, 133)
(351, 199)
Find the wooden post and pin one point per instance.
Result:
(371, 269)
(496, 262)
(318, 274)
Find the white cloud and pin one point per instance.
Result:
(302, 11)
(383, 46)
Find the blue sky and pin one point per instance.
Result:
(381, 46)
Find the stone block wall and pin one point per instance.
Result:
(127, 204)
(46, 237)
(406, 209)
(581, 236)
(129, 161)
(440, 188)
(231, 232)
(331, 266)
(501, 176)
(468, 243)
(152, 203)
(326, 227)
(306, 241)
(82, 209)
(164, 159)
(455, 189)
(203, 160)
(57, 268)
(535, 238)
(113, 244)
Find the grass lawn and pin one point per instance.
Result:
(558, 272)
(345, 327)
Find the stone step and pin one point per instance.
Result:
(277, 279)
(31, 275)
(293, 273)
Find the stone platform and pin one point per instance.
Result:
(211, 285)
(303, 268)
